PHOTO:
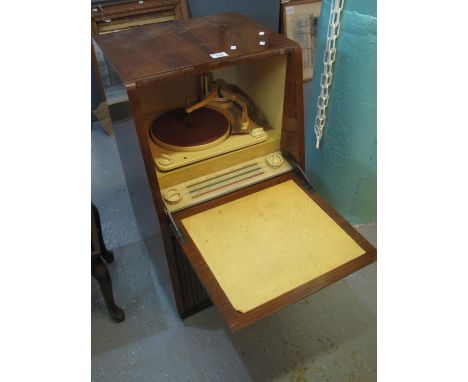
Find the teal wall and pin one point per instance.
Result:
(343, 170)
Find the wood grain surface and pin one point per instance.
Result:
(187, 46)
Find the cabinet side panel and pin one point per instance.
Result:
(132, 143)
(292, 134)
(129, 148)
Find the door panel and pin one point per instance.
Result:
(266, 246)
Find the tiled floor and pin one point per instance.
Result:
(329, 336)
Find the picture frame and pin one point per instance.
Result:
(113, 16)
(116, 15)
(299, 22)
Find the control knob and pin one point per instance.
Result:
(258, 132)
(274, 160)
(172, 196)
(165, 160)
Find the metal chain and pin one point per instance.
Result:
(328, 59)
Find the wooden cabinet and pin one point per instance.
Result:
(241, 225)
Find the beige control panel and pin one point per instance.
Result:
(222, 182)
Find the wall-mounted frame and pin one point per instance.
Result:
(112, 16)
(299, 21)
(116, 15)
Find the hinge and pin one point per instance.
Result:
(304, 180)
(180, 235)
(131, 85)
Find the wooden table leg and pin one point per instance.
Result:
(101, 274)
(108, 255)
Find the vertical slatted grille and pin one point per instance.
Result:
(193, 294)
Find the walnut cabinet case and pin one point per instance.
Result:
(241, 225)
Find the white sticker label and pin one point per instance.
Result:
(262, 42)
(218, 55)
(261, 33)
(289, 10)
(233, 47)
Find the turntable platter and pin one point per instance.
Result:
(172, 130)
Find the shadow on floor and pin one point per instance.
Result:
(304, 337)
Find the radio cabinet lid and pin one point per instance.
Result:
(162, 50)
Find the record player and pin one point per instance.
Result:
(224, 119)
(208, 113)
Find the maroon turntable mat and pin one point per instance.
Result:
(172, 129)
